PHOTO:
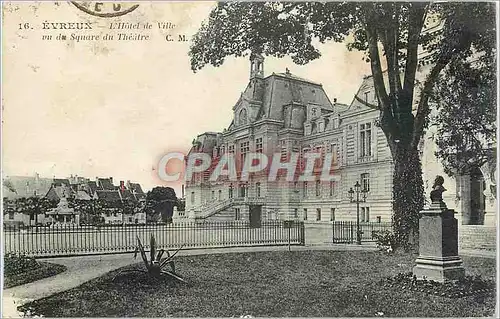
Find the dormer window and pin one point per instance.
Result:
(243, 117)
(366, 96)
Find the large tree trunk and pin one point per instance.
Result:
(408, 198)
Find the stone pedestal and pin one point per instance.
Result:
(438, 258)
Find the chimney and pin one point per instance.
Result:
(122, 186)
(182, 191)
(111, 180)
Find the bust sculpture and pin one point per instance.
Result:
(437, 189)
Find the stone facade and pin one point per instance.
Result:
(284, 114)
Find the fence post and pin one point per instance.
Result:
(351, 237)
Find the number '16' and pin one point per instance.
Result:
(24, 26)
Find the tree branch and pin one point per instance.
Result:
(423, 109)
(415, 24)
(376, 67)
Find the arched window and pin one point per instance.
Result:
(243, 116)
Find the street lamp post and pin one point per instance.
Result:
(357, 190)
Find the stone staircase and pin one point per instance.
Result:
(477, 237)
(218, 210)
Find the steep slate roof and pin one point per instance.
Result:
(135, 187)
(25, 186)
(106, 184)
(284, 88)
(127, 195)
(82, 195)
(61, 181)
(93, 186)
(109, 195)
(57, 191)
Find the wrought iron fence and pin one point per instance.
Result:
(344, 232)
(107, 239)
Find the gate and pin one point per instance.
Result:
(344, 232)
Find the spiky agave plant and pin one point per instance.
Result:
(156, 266)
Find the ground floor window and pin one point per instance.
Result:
(305, 213)
(237, 214)
(318, 214)
(365, 214)
(296, 213)
(332, 214)
(379, 219)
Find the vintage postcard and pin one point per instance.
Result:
(249, 159)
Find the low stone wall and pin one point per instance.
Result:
(477, 237)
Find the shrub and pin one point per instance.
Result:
(15, 264)
(386, 241)
(467, 286)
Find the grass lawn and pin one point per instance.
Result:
(36, 272)
(269, 284)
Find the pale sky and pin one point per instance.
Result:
(113, 108)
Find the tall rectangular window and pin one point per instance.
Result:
(192, 197)
(365, 181)
(305, 189)
(257, 189)
(332, 214)
(367, 214)
(237, 215)
(213, 195)
(230, 149)
(220, 194)
(243, 190)
(362, 217)
(365, 140)
(318, 188)
(335, 154)
(332, 188)
(230, 191)
(305, 213)
(258, 145)
(295, 213)
(318, 214)
(244, 149)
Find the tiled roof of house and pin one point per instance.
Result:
(93, 186)
(109, 195)
(135, 187)
(82, 195)
(106, 184)
(127, 195)
(61, 181)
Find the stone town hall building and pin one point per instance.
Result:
(283, 113)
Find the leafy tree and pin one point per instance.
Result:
(161, 200)
(90, 210)
(466, 117)
(181, 204)
(390, 31)
(32, 206)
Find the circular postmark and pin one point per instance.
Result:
(105, 9)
